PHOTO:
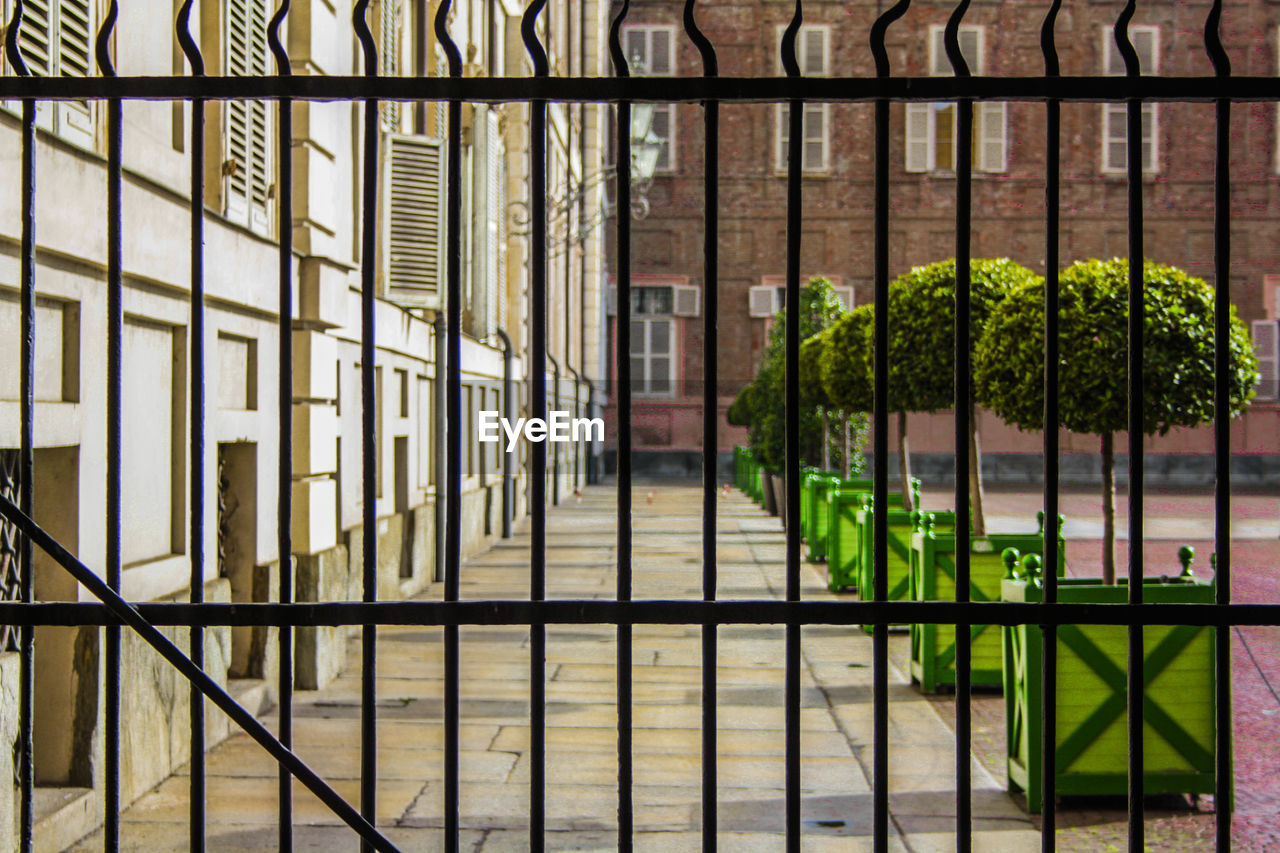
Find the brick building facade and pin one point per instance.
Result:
(998, 39)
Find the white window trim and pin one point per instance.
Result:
(640, 388)
(673, 161)
(934, 32)
(782, 114)
(939, 66)
(1109, 111)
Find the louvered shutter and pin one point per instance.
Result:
(845, 295)
(760, 300)
(814, 51)
(917, 144)
(1266, 346)
(993, 150)
(54, 38)
(389, 59)
(75, 118)
(686, 301)
(36, 43)
(414, 202)
(247, 133)
(495, 196)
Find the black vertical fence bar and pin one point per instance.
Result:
(26, 462)
(1133, 129)
(369, 437)
(1221, 431)
(115, 334)
(963, 424)
(196, 775)
(284, 402)
(1049, 632)
(710, 419)
(538, 450)
(449, 481)
(791, 427)
(622, 350)
(880, 442)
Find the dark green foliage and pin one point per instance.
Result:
(845, 368)
(812, 352)
(742, 408)
(922, 327)
(1093, 366)
(819, 307)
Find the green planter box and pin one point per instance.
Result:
(819, 515)
(932, 575)
(902, 525)
(806, 476)
(1092, 745)
(843, 549)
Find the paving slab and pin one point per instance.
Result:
(581, 680)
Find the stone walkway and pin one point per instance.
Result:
(581, 761)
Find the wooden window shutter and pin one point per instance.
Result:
(760, 300)
(496, 237)
(686, 300)
(993, 147)
(917, 143)
(247, 134)
(389, 59)
(845, 294)
(414, 205)
(1266, 345)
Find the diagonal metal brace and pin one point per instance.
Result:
(196, 676)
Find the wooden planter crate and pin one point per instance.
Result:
(902, 526)
(807, 474)
(932, 576)
(843, 549)
(819, 517)
(1092, 744)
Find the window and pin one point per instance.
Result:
(651, 51)
(55, 40)
(652, 357)
(1115, 137)
(813, 51)
(388, 24)
(246, 184)
(770, 297)
(1266, 346)
(678, 300)
(931, 128)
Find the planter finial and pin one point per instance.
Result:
(1185, 555)
(1033, 569)
(1010, 558)
(1040, 521)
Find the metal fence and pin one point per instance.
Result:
(710, 90)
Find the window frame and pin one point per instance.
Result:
(669, 160)
(1117, 114)
(73, 122)
(938, 66)
(781, 124)
(640, 385)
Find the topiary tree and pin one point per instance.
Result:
(742, 408)
(845, 373)
(1177, 360)
(818, 307)
(921, 355)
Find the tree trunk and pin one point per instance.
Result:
(975, 475)
(1108, 508)
(826, 443)
(904, 461)
(848, 469)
